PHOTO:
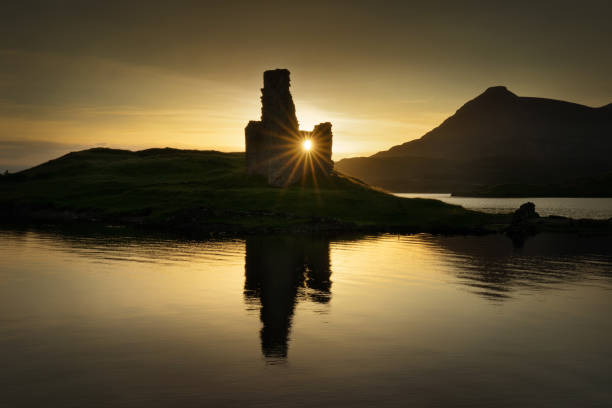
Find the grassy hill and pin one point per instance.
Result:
(210, 191)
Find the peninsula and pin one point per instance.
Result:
(284, 182)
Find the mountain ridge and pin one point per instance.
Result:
(530, 139)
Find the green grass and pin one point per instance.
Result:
(165, 186)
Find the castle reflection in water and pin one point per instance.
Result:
(279, 271)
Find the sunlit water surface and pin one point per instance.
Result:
(120, 321)
(573, 207)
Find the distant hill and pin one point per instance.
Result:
(596, 186)
(498, 138)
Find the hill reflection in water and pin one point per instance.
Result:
(489, 266)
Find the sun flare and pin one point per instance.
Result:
(307, 145)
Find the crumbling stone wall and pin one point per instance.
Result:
(322, 140)
(274, 144)
(255, 148)
(277, 108)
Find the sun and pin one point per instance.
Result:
(307, 145)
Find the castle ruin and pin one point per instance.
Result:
(275, 145)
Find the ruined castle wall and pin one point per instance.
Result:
(256, 149)
(274, 144)
(280, 126)
(277, 108)
(322, 142)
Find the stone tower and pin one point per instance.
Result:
(274, 144)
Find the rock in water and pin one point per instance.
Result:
(525, 212)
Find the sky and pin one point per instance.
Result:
(187, 74)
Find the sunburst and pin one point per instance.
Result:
(307, 145)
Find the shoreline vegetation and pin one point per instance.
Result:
(196, 193)
(595, 187)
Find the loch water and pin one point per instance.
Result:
(572, 207)
(112, 319)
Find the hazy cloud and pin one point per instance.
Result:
(188, 73)
(18, 155)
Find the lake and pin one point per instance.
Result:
(573, 207)
(109, 318)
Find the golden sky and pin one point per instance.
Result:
(137, 74)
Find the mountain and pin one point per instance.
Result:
(496, 138)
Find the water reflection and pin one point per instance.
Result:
(162, 322)
(493, 268)
(279, 272)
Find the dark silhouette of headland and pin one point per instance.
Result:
(274, 145)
